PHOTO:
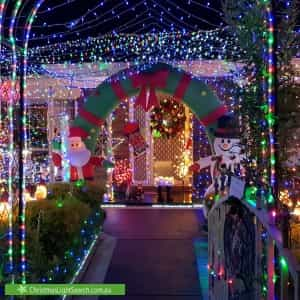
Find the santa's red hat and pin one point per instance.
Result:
(78, 132)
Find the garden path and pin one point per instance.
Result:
(157, 253)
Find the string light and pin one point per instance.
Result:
(11, 151)
(132, 47)
(283, 263)
(10, 198)
(122, 172)
(110, 156)
(64, 143)
(271, 96)
(24, 147)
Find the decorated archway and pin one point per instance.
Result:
(162, 77)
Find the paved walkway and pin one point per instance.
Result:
(155, 253)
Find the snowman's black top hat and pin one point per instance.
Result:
(227, 127)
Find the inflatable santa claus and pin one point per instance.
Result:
(82, 163)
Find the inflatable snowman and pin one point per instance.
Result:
(227, 157)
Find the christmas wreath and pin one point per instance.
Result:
(168, 119)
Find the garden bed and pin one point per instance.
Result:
(61, 230)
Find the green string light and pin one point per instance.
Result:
(80, 183)
(283, 263)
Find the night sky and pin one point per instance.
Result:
(60, 20)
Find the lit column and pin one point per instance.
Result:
(189, 139)
(149, 151)
(188, 159)
(76, 102)
(110, 157)
(270, 107)
(64, 126)
(75, 108)
(131, 119)
(50, 130)
(11, 150)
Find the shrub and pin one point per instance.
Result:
(52, 229)
(90, 193)
(59, 230)
(60, 190)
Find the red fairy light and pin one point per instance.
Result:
(6, 91)
(122, 172)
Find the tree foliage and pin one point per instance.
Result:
(246, 20)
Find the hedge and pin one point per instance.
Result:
(59, 230)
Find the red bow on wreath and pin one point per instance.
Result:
(152, 82)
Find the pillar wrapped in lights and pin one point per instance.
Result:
(149, 150)
(50, 114)
(271, 94)
(131, 119)
(64, 144)
(110, 157)
(23, 151)
(11, 151)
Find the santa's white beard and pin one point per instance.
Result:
(79, 158)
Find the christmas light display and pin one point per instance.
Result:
(131, 119)
(37, 126)
(122, 172)
(6, 91)
(140, 51)
(4, 211)
(167, 46)
(183, 161)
